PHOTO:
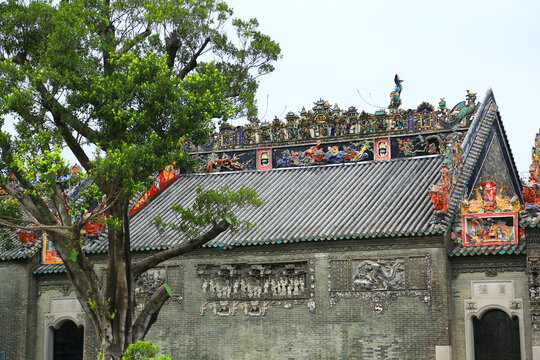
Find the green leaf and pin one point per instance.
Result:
(168, 289)
(228, 220)
(74, 255)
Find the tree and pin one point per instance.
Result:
(134, 78)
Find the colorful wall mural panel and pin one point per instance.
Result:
(490, 228)
(49, 253)
(320, 154)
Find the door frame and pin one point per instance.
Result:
(489, 295)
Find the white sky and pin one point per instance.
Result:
(331, 49)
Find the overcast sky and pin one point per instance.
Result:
(335, 49)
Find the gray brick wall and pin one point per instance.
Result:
(17, 315)
(350, 329)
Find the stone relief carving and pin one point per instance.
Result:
(535, 321)
(150, 281)
(471, 305)
(515, 305)
(533, 273)
(254, 287)
(379, 275)
(146, 286)
(63, 286)
(49, 319)
(379, 282)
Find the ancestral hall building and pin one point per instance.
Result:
(403, 234)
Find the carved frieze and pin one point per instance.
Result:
(379, 275)
(534, 278)
(151, 280)
(379, 282)
(489, 266)
(54, 319)
(533, 274)
(254, 287)
(63, 286)
(147, 284)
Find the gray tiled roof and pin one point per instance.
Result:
(499, 249)
(371, 199)
(20, 251)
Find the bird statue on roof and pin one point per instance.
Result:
(398, 82)
(395, 98)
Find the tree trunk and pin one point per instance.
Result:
(116, 335)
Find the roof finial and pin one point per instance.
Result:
(395, 96)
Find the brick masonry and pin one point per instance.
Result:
(350, 329)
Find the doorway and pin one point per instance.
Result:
(496, 336)
(68, 342)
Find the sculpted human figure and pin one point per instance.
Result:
(205, 285)
(490, 189)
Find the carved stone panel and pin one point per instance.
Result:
(378, 275)
(151, 280)
(533, 273)
(380, 281)
(63, 286)
(341, 269)
(255, 286)
(417, 278)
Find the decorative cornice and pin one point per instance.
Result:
(491, 266)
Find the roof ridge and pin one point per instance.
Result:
(310, 167)
(472, 145)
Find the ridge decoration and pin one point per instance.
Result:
(328, 122)
(531, 188)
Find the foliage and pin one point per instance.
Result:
(209, 207)
(134, 79)
(143, 350)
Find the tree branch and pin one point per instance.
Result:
(65, 119)
(12, 223)
(143, 265)
(135, 40)
(149, 314)
(73, 144)
(172, 45)
(193, 61)
(34, 204)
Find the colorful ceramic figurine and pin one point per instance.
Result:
(490, 189)
(395, 96)
(439, 194)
